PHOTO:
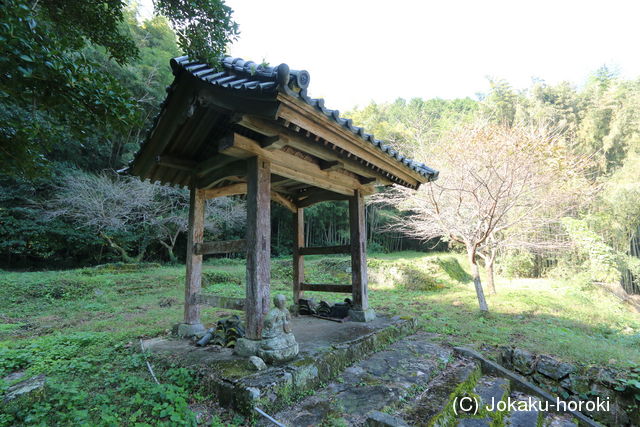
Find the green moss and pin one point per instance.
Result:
(447, 416)
(234, 369)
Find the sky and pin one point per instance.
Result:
(362, 51)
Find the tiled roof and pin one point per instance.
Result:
(238, 74)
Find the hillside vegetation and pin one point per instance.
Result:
(81, 327)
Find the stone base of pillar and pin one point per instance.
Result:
(362, 315)
(186, 330)
(246, 347)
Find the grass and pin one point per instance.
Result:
(80, 327)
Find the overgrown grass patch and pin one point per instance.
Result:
(85, 339)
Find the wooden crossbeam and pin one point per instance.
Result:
(314, 148)
(365, 180)
(224, 247)
(241, 188)
(326, 250)
(291, 166)
(237, 168)
(279, 198)
(303, 115)
(344, 289)
(333, 165)
(319, 196)
(176, 163)
(220, 302)
(272, 143)
(213, 163)
(227, 190)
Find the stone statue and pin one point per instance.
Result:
(278, 343)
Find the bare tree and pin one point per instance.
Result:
(126, 212)
(111, 207)
(492, 178)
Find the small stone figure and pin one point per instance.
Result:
(278, 343)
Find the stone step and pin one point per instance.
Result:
(558, 420)
(491, 390)
(434, 404)
(524, 418)
(379, 383)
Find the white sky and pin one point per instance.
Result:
(358, 51)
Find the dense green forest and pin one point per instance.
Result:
(62, 207)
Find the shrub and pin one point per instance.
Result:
(603, 262)
(282, 269)
(214, 277)
(429, 273)
(517, 264)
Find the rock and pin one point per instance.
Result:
(491, 390)
(254, 392)
(523, 361)
(380, 419)
(522, 419)
(616, 415)
(576, 383)
(554, 368)
(24, 387)
(544, 381)
(607, 377)
(13, 376)
(257, 363)
(505, 357)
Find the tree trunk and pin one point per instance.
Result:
(475, 272)
(123, 253)
(172, 257)
(490, 276)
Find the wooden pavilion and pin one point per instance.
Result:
(244, 128)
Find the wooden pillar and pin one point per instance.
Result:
(298, 260)
(359, 280)
(194, 262)
(258, 245)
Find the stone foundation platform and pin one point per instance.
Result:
(326, 349)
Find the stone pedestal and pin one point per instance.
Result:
(362, 315)
(279, 349)
(246, 347)
(186, 330)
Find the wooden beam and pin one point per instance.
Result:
(345, 289)
(298, 259)
(213, 163)
(221, 302)
(227, 190)
(223, 247)
(193, 282)
(241, 188)
(272, 143)
(171, 118)
(258, 245)
(176, 163)
(326, 250)
(330, 165)
(319, 196)
(317, 149)
(358, 229)
(304, 116)
(282, 200)
(291, 166)
(237, 168)
(364, 180)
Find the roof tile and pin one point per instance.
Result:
(247, 75)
